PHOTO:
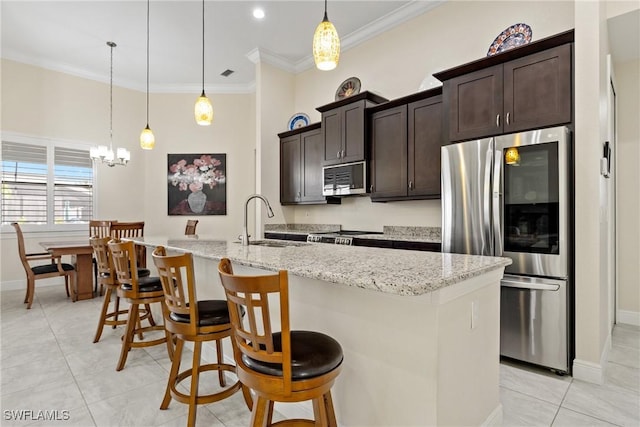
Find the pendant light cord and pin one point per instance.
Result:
(111, 45)
(326, 17)
(202, 47)
(148, 63)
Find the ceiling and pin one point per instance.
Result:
(71, 36)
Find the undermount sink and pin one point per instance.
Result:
(276, 243)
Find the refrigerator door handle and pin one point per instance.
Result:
(528, 285)
(497, 201)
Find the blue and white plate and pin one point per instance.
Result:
(298, 120)
(514, 36)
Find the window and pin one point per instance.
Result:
(46, 182)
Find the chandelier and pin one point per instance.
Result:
(102, 153)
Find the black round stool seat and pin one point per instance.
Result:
(312, 354)
(210, 312)
(145, 284)
(142, 272)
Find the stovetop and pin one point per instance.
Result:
(343, 237)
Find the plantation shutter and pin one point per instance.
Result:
(73, 186)
(24, 183)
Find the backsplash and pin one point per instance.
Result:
(430, 233)
(310, 228)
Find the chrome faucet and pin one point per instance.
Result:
(244, 237)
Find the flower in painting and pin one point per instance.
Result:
(194, 176)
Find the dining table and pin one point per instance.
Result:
(81, 254)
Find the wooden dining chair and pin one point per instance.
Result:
(278, 366)
(192, 320)
(109, 284)
(136, 291)
(190, 229)
(98, 228)
(121, 230)
(55, 268)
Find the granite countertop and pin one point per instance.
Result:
(383, 270)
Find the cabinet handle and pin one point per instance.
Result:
(338, 155)
(410, 185)
(497, 120)
(298, 194)
(507, 118)
(342, 154)
(371, 188)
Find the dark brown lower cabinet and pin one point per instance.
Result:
(405, 151)
(301, 154)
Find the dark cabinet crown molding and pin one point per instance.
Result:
(407, 99)
(366, 95)
(519, 52)
(312, 126)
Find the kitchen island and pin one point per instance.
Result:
(419, 330)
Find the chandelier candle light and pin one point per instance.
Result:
(102, 153)
(326, 44)
(203, 109)
(147, 139)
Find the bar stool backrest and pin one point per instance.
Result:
(100, 228)
(253, 333)
(121, 230)
(100, 247)
(123, 256)
(190, 229)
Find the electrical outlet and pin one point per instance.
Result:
(474, 314)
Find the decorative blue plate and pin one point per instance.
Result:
(514, 36)
(298, 120)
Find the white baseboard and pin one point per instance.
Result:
(593, 372)
(628, 317)
(289, 410)
(495, 417)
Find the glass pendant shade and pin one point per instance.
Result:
(203, 110)
(512, 156)
(326, 46)
(147, 140)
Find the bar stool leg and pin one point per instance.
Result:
(221, 377)
(195, 379)
(103, 314)
(175, 368)
(127, 339)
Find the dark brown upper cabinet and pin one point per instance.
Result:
(301, 153)
(526, 88)
(406, 137)
(344, 128)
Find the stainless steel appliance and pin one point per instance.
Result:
(510, 196)
(344, 237)
(345, 179)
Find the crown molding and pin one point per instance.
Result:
(260, 54)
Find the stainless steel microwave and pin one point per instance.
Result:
(345, 179)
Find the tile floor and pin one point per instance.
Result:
(50, 363)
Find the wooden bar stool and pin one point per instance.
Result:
(106, 279)
(98, 228)
(285, 366)
(137, 291)
(197, 321)
(121, 230)
(190, 228)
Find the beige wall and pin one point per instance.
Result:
(627, 78)
(395, 64)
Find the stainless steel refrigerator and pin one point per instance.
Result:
(510, 196)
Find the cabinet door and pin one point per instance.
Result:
(537, 90)
(475, 104)
(290, 165)
(424, 136)
(353, 138)
(389, 153)
(332, 136)
(312, 153)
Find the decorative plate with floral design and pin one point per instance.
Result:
(349, 87)
(298, 120)
(514, 36)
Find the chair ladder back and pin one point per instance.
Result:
(120, 230)
(254, 336)
(100, 247)
(190, 229)
(178, 283)
(100, 228)
(123, 256)
(21, 249)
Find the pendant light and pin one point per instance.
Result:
(203, 109)
(101, 153)
(326, 44)
(147, 140)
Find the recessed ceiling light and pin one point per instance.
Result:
(258, 13)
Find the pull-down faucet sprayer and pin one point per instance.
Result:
(244, 237)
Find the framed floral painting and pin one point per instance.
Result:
(197, 184)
